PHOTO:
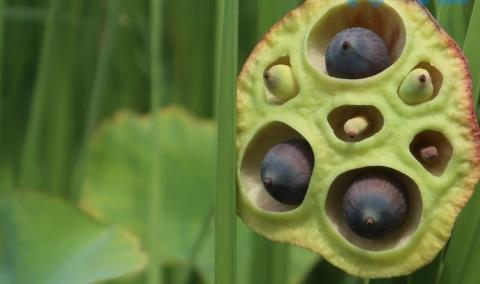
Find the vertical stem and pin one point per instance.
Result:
(472, 39)
(96, 97)
(226, 157)
(29, 159)
(154, 272)
(3, 164)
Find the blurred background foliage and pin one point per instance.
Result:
(75, 131)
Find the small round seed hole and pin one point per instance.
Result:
(280, 82)
(355, 123)
(433, 150)
(421, 84)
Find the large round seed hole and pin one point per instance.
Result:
(277, 156)
(352, 123)
(377, 17)
(391, 237)
(433, 150)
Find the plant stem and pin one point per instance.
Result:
(97, 93)
(225, 255)
(29, 160)
(154, 275)
(472, 39)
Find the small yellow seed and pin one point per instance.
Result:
(355, 126)
(280, 82)
(417, 87)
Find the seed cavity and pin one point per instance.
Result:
(375, 205)
(280, 82)
(374, 208)
(352, 123)
(417, 87)
(286, 171)
(377, 42)
(432, 150)
(276, 168)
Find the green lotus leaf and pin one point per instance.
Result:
(117, 183)
(426, 148)
(44, 240)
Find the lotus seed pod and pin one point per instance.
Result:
(404, 162)
(286, 171)
(375, 206)
(355, 126)
(280, 82)
(417, 87)
(356, 53)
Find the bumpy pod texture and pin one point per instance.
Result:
(435, 188)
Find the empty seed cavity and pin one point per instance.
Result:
(355, 42)
(276, 168)
(374, 208)
(280, 82)
(433, 150)
(355, 123)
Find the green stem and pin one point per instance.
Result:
(472, 39)
(225, 255)
(29, 159)
(154, 275)
(3, 164)
(269, 264)
(100, 80)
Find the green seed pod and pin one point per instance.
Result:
(280, 82)
(403, 163)
(417, 87)
(355, 126)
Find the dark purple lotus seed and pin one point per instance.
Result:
(356, 53)
(286, 171)
(375, 205)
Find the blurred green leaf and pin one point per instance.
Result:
(45, 241)
(453, 18)
(472, 41)
(116, 188)
(324, 272)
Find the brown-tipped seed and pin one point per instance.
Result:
(286, 171)
(429, 154)
(355, 126)
(375, 205)
(417, 87)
